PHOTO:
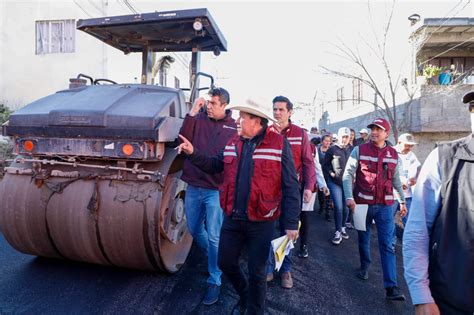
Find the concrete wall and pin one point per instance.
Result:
(358, 122)
(437, 115)
(441, 109)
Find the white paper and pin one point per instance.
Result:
(310, 205)
(359, 216)
(276, 244)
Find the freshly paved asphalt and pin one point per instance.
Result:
(325, 283)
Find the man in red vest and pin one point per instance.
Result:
(260, 183)
(305, 170)
(375, 166)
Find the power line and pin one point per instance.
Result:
(130, 7)
(96, 7)
(448, 50)
(446, 20)
(133, 7)
(83, 10)
(123, 4)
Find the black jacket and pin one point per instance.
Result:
(335, 162)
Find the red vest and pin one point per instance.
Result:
(265, 188)
(374, 175)
(294, 135)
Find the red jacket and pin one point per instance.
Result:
(302, 156)
(374, 175)
(198, 130)
(265, 188)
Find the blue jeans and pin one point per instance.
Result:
(341, 210)
(383, 216)
(396, 207)
(204, 216)
(287, 262)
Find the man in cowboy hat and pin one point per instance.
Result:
(438, 242)
(259, 183)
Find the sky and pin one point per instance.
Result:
(277, 47)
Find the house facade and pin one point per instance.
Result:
(442, 72)
(41, 50)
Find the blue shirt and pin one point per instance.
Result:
(426, 204)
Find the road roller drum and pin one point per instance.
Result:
(96, 178)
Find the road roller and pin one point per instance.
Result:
(96, 178)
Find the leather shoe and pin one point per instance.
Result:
(286, 280)
(212, 294)
(363, 274)
(269, 277)
(394, 294)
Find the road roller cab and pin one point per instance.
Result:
(97, 178)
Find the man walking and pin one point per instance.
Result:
(259, 184)
(305, 171)
(408, 171)
(375, 167)
(438, 244)
(206, 121)
(364, 137)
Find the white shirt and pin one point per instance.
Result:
(409, 169)
(424, 209)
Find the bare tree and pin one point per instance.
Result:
(367, 76)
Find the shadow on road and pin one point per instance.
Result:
(325, 283)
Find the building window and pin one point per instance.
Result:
(340, 99)
(56, 36)
(176, 83)
(356, 91)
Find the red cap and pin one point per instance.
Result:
(381, 123)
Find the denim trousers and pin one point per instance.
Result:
(341, 211)
(399, 231)
(204, 217)
(383, 216)
(256, 236)
(287, 262)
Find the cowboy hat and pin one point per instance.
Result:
(256, 106)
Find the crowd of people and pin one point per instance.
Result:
(267, 174)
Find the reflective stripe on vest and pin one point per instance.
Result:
(374, 175)
(268, 151)
(368, 158)
(267, 157)
(230, 150)
(273, 154)
(386, 160)
(361, 195)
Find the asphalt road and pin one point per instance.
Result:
(325, 283)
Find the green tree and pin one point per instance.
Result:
(6, 148)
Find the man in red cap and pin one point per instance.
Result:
(375, 167)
